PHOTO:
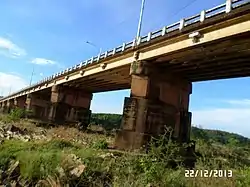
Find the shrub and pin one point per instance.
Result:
(100, 144)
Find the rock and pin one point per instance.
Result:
(1, 135)
(25, 138)
(16, 136)
(13, 128)
(77, 171)
(43, 132)
(70, 162)
(1, 129)
(106, 155)
(9, 132)
(8, 137)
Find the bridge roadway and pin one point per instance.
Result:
(158, 68)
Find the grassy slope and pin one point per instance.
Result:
(38, 160)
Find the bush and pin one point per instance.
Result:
(17, 114)
(14, 115)
(100, 144)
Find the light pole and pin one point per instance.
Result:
(32, 74)
(10, 90)
(140, 20)
(90, 43)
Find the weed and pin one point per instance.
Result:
(100, 144)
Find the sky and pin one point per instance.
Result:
(51, 35)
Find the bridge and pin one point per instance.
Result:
(159, 68)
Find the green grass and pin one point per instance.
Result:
(43, 160)
(40, 160)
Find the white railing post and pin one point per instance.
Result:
(106, 54)
(134, 42)
(138, 41)
(149, 36)
(99, 56)
(164, 29)
(203, 16)
(123, 46)
(182, 24)
(228, 5)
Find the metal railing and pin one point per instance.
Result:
(201, 17)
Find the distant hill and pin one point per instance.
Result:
(113, 121)
(219, 136)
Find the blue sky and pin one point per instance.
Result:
(51, 35)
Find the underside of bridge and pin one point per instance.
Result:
(223, 59)
(114, 79)
(220, 59)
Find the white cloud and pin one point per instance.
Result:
(10, 82)
(43, 61)
(10, 49)
(234, 119)
(243, 102)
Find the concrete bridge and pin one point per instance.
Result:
(158, 68)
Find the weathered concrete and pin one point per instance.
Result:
(10, 105)
(3, 107)
(157, 101)
(37, 104)
(70, 105)
(20, 102)
(60, 105)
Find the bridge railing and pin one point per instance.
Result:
(201, 17)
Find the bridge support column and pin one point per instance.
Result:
(1, 107)
(4, 107)
(70, 105)
(37, 105)
(19, 102)
(10, 105)
(157, 100)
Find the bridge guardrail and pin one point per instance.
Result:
(201, 17)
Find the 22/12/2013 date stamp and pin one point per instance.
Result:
(209, 173)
